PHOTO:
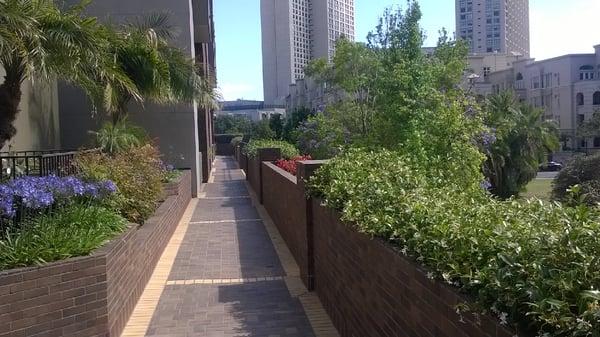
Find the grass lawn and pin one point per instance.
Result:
(540, 188)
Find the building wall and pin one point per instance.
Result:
(174, 127)
(489, 26)
(37, 122)
(553, 85)
(295, 32)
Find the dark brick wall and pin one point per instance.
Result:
(93, 295)
(254, 169)
(223, 145)
(369, 289)
(285, 202)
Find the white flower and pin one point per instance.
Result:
(430, 276)
(405, 250)
(503, 318)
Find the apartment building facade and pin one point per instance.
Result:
(566, 87)
(494, 26)
(294, 32)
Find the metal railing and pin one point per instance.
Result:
(38, 163)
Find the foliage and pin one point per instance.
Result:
(276, 124)
(293, 121)
(138, 173)
(262, 130)
(516, 142)
(171, 174)
(72, 231)
(291, 165)
(120, 136)
(287, 150)
(591, 127)
(226, 124)
(321, 136)
(160, 73)
(582, 171)
(529, 263)
(235, 141)
(394, 96)
(40, 41)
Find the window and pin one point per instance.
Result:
(580, 99)
(597, 142)
(597, 98)
(586, 73)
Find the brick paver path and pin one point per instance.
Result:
(226, 279)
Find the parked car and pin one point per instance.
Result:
(551, 166)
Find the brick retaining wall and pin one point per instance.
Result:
(369, 289)
(92, 295)
(285, 201)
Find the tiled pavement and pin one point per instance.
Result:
(226, 278)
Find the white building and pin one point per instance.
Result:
(566, 87)
(295, 32)
(253, 110)
(489, 26)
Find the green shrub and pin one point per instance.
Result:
(529, 263)
(138, 173)
(68, 232)
(583, 171)
(236, 141)
(288, 150)
(121, 136)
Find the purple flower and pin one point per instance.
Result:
(486, 185)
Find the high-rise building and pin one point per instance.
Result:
(295, 32)
(494, 26)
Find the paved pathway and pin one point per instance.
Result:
(221, 274)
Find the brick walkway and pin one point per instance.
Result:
(225, 277)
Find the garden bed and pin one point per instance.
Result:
(91, 295)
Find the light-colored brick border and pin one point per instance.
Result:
(144, 310)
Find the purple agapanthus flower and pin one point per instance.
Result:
(36, 193)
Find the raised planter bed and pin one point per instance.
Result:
(367, 287)
(91, 295)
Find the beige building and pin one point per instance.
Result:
(500, 26)
(295, 32)
(566, 87)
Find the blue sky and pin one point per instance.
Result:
(557, 27)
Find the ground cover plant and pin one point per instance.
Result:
(529, 263)
(583, 173)
(288, 150)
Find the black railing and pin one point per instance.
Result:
(37, 163)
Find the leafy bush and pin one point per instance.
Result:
(120, 136)
(287, 150)
(138, 173)
(529, 263)
(291, 165)
(583, 171)
(236, 141)
(72, 231)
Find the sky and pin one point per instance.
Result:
(558, 27)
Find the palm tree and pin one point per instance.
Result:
(38, 40)
(522, 139)
(161, 73)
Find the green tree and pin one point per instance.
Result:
(293, 121)
(226, 124)
(591, 127)
(396, 97)
(38, 40)
(518, 140)
(276, 124)
(160, 72)
(262, 130)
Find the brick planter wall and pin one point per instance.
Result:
(254, 170)
(285, 201)
(369, 289)
(92, 295)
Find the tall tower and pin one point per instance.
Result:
(295, 32)
(490, 26)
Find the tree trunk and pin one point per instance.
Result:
(10, 97)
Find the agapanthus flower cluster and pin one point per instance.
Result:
(35, 193)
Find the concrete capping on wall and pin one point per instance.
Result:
(91, 295)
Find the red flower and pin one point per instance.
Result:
(291, 165)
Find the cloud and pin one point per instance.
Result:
(233, 91)
(561, 27)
